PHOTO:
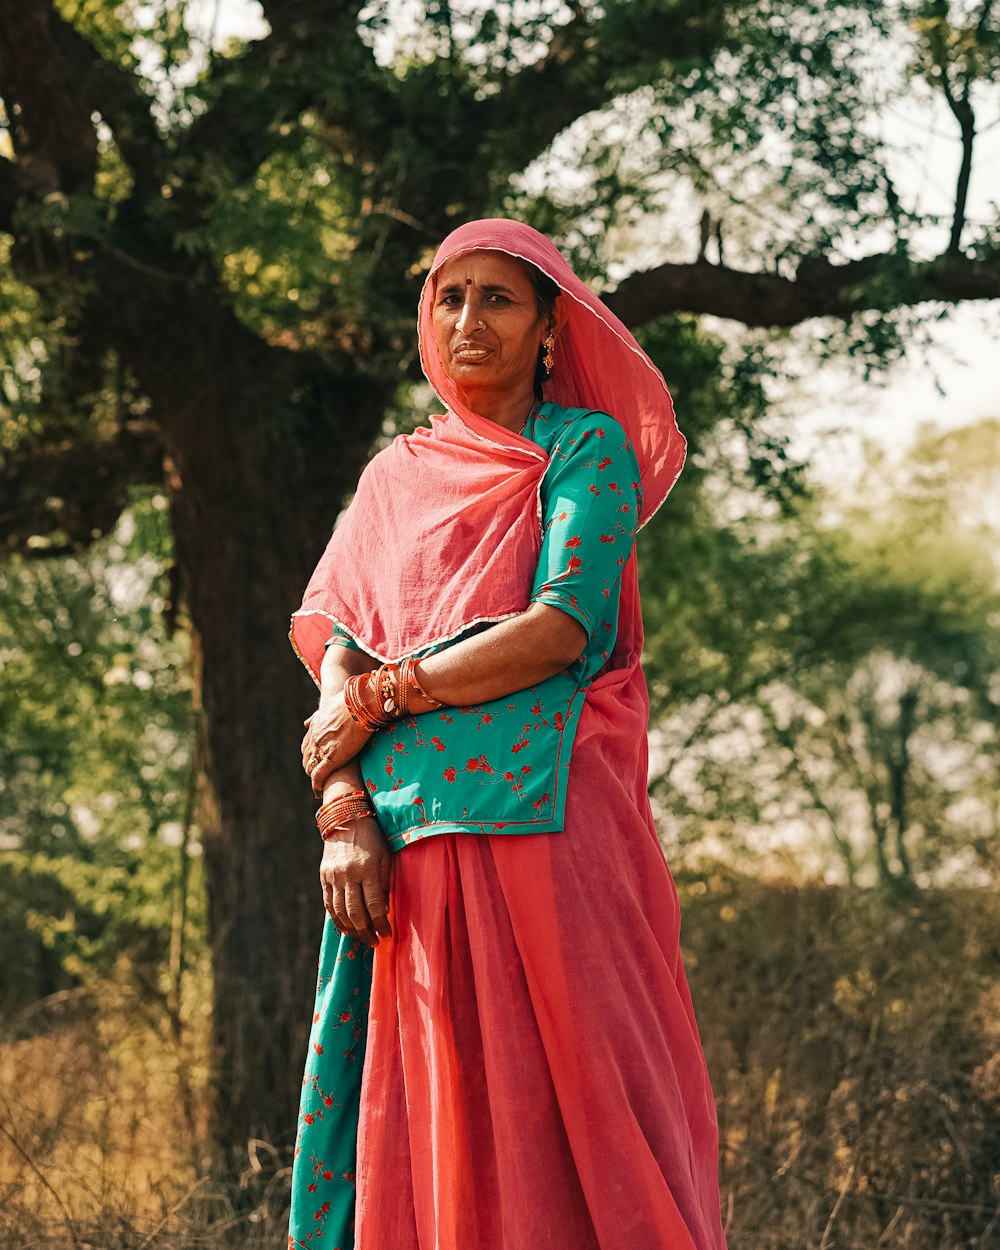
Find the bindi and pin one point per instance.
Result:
(468, 282)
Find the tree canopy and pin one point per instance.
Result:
(209, 262)
(825, 678)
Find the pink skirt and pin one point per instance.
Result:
(534, 1076)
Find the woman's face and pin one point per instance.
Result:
(486, 323)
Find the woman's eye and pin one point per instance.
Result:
(497, 299)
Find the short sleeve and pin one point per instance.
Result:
(590, 499)
(341, 638)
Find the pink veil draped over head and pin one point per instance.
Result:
(443, 531)
(598, 365)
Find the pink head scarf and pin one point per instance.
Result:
(444, 529)
(598, 365)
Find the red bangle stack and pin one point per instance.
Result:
(355, 805)
(363, 708)
(408, 682)
(378, 698)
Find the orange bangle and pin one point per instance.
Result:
(390, 688)
(408, 678)
(356, 805)
(355, 689)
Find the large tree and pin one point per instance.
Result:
(210, 265)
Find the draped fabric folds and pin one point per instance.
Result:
(533, 1076)
(453, 506)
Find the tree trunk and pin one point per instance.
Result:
(252, 511)
(898, 761)
(260, 843)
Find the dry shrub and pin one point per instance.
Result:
(854, 1047)
(102, 1132)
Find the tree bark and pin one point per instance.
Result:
(260, 845)
(250, 519)
(255, 479)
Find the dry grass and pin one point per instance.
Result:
(102, 1125)
(854, 1047)
(854, 1052)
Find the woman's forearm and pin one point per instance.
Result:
(343, 781)
(512, 655)
(339, 663)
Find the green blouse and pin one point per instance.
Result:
(501, 766)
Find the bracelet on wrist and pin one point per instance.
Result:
(334, 815)
(361, 707)
(377, 699)
(413, 686)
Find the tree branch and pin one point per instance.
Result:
(586, 65)
(437, 127)
(961, 110)
(61, 495)
(49, 70)
(50, 126)
(589, 63)
(116, 95)
(819, 289)
(9, 192)
(273, 82)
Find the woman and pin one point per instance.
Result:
(532, 1072)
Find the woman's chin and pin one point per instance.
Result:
(473, 370)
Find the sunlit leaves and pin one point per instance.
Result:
(95, 758)
(490, 42)
(955, 40)
(107, 24)
(835, 676)
(283, 241)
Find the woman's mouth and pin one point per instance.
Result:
(470, 352)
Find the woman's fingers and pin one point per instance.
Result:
(346, 906)
(355, 873)
(357, 912)
(320, 770)
(333, 738)
(308, 751)
(328, 903)
(376, 904)
(340, 912)
(333, 902)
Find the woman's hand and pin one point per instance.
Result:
(355, 879)
(333, 737)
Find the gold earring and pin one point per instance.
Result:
(548, 360)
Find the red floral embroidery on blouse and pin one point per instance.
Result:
(588, 524)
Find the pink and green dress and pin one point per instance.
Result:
(514, 1049)
(519, 1067)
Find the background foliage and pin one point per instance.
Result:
(209, 255)
(96, 775)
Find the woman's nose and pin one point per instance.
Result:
(467, 320)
